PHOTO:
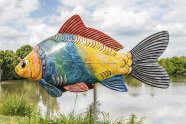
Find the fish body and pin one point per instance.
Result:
(79, 62)
(78, 57)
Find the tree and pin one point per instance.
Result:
(10, 60)
(24, 51)
(174, 65)
(1, 62)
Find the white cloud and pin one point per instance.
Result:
(126, 21)
(176, 10)
(66, 14)
(85, 3)
(176, 29)
(117, 20)
(39, 32)
(10, 37)
(16, 9)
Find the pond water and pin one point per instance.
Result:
(158, 106)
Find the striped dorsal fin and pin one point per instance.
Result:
(75, 26)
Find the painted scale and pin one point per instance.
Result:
(78, 57)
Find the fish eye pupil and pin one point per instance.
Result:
(23, 64)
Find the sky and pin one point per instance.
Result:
(127, 21)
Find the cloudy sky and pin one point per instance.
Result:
(127, 21)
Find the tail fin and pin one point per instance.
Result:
(144, 55)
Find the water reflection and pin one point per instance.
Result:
(134, 86)
(32, 90)
(159, 106)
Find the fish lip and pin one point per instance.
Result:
(37, 76)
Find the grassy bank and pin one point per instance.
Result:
(66, 120)
(17, 110)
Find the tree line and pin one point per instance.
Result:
(9, 59)
(174, 65)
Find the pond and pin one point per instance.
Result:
(158, 106)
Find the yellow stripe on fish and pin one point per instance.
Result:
(103, 59)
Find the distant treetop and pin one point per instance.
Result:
(23, 51)
(174, 65)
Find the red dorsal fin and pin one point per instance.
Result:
(75, 26)
(79, 87)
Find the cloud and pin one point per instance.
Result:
(39, 32)
(19, 28)
(126, 21)
(65, 14)
(34, 32)
(109, 16)
(176, 29)
(10, 37)
(16, 9)
(117, 20)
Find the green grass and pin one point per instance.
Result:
(12, 105)
(73, 118)
(10, 119)
(17, 110)
(66, 119)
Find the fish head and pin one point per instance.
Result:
(30, 67)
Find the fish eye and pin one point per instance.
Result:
(23, 64)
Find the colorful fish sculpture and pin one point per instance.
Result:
(77, 57)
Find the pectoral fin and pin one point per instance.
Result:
(115, 83)
(79, 87)
(51, 90)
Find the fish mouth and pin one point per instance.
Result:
(39, 75)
